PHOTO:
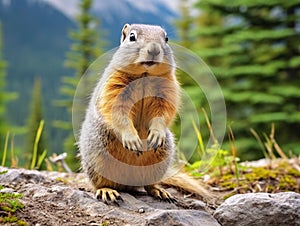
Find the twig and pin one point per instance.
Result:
(276, 146)
(209, 127)
(254, 133)
(61, 159)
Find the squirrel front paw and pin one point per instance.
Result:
(156, 138)
(132, 142)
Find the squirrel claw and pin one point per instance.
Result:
(156, 139)
(132, 143)
(171, 200)
(160, 193)
(108, 194)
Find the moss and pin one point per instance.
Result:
(260, 179)
(3, 172)
(260, 173)
(228, 184)
(294, 172)
(61, 179)
(228, 195)
(12, 219)
(269, 188)
(286, 181)
(227, 176)
(9, 204)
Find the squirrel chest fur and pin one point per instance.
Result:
(125, 141)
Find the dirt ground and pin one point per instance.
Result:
(53, 198)
(50, 199)
(40, 211)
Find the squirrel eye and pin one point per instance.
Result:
(132, 37)
(167, 39)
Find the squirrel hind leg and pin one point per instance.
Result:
(108, 194)
(157, 192)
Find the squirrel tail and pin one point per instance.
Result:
(186, 183)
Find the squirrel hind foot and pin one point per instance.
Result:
(160, 193)
(108, 194)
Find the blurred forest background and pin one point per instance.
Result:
(252, 47)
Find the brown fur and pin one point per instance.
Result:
(118, 100)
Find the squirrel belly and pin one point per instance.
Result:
(109, 164)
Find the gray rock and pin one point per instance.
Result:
(180, 217)
(137, 212)
(17, 176)
(8, 191)
(53, 198)
(281, 209)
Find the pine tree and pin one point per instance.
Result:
(33, 122)
(256, 61)
(188, 23)
(184, 24)
(85, 49)
(5, 97)
(3, 123)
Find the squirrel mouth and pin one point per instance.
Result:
(148, 63)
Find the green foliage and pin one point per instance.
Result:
(5, 97)
(35, 161)
(5, 150)
(2, 95)
(37, 158)
(184, 24)
(283, 177)
(213, 157)
(253, 49)
(3, 172)
(9, 204)
(222, 159)
(9, 158)
(85, 49)
(233, 177)
(36, 137)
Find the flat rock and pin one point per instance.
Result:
(281, 209)
(180, 217)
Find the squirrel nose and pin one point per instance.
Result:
(153, 50)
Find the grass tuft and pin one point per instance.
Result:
(34, 162)
(232, 177)
(5, 149)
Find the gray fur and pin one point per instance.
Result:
(96, 135)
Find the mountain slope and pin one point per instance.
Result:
(36, 40)
(114, 14)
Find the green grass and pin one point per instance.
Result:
(282, 177)
(232, 177)
(37, 163)
(36, 160)
(9, 202)
(5, 149)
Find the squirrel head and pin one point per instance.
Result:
(145, 49)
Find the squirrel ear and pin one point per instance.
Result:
(124, 32)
